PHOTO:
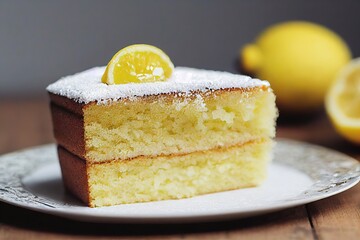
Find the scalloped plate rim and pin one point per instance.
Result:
(75, 213)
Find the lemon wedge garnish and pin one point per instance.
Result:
(343, 102)
(137, 64)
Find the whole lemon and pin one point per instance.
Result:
(300, 60)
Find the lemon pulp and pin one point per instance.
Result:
(349, 98)
(138, 64)
(343, 102)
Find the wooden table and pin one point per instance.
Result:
(26, 123)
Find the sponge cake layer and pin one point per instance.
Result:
(165, 177)
(166, 124)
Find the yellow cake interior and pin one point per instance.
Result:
(162, 125)
(166, 147)
(172, 177)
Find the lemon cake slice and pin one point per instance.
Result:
(198, 132)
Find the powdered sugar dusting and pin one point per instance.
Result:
(87, 87)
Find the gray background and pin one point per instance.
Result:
(40, 41)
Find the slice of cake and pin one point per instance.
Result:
(199, 132)
(140, 130)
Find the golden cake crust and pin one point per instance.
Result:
(74, 174)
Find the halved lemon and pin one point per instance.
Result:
(137, 64)
(343, 102)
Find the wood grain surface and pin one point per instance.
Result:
(26, 123)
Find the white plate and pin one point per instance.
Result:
(300, 173)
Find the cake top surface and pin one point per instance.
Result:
(86, 86)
